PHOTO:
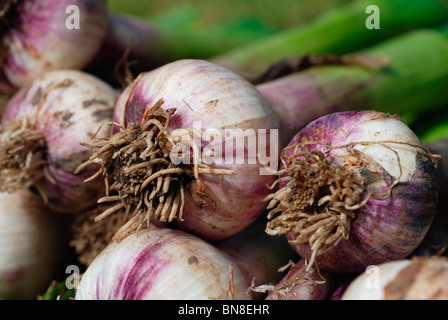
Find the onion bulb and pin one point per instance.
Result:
(419, 278)
(355, 188)
(43, 35)
(179, 152)
(42, 130)
(162, 264)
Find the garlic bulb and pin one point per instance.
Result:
(419, 278)
(29, 246)
(49, 119)
(38, 36)
(356, 188)
(193, 145)
(162, 264)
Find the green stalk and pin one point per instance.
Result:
(414, 81)
(417, 78)
(339, 31)
(432, 125)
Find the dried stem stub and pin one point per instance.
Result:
(318, 203)
(139, 174)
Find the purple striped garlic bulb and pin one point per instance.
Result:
(42, 35)
(43, 127)
(195, 144)
(355, 188)
(162, 264)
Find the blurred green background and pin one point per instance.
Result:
(277, 14)
(200, 28)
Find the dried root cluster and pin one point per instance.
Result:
(90, 237)
(318, 203)
(22, 162)
(140, 176)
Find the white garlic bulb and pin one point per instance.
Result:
(29, 250)
(419, 278)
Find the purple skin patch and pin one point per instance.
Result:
(137, 278)
(133, 274)
(382, 230)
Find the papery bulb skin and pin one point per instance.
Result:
(419, 278)
(30, 246)
(66, 108)
(47, 35)
(221, 109)
(162, 264)
(385, 185)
